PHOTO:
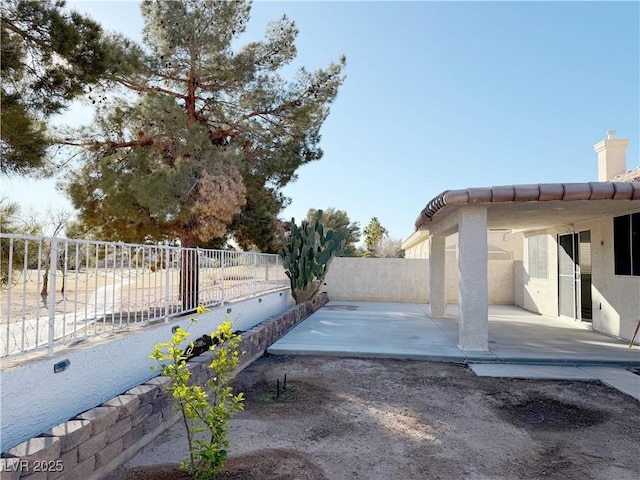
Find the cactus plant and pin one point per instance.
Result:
(308, 254)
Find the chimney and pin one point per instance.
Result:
(612, 157)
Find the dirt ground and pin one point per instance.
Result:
(342, 418)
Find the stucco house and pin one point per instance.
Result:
(575, 249)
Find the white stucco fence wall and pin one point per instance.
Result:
(34, 398)
(378, 280)
(407, 280)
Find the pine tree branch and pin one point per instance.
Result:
(148, 89)
(145, 142)
(263, 114)
(222, 134)
(25, 34)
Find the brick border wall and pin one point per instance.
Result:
(97, 441)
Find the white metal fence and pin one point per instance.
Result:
(57, 291)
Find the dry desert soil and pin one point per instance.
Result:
(383, 419)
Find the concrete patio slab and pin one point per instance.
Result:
(406, 330)
(396, 330)
(521, 344)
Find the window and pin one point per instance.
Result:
(626, 244)
(538, 256)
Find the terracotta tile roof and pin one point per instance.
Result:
(617, 190)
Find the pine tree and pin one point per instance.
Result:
(203, 136)
(48, 57)
(374, 232)
(339, 221)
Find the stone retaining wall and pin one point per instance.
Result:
(94, 443)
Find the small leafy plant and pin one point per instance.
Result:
(203, 409)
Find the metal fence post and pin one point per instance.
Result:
(222, 265)
(167, 293)
(255, 273)
(198, 276)
(267, 264)
(9, 281)
(53, 270)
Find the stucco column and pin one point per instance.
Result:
(472, 285)
(437, 280)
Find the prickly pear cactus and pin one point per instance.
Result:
(308, 254)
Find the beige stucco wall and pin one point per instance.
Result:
(500, 277)
(501, 272)
(378, 280)
(501, 281)
(421, 250)
(540, 295)
(615, 298)
(407, 280)
(499, 239)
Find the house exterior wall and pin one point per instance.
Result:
(504, 268)
(615, 298)
(540, 295)
(501, 282)
(421, 250)
(500, 274)
(498, 240)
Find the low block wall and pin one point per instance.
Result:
(407, 280)
(97, 441)
(378, 280)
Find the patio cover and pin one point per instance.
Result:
(472, 211)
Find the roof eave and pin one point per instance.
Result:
(530, 193)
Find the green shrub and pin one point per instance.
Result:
(203, 409)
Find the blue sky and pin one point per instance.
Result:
(443, 95)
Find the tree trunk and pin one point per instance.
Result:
(45, 282)
(190, 101)
(189, 284)
(309, 293)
